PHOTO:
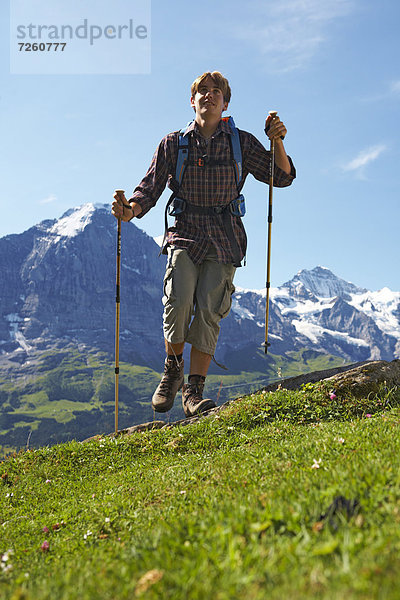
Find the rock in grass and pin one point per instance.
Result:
(368, 378)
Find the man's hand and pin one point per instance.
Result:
(274, 128)
(276, 131)
(121, 209)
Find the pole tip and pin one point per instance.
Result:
(265, 345)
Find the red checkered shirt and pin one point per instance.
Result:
(211, 185)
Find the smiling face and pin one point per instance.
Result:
(208, 100)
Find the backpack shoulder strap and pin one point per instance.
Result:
(183, 154)
(236, 149)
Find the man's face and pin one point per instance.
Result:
(208, 99)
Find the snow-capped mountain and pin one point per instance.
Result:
(332, 315)
(58, 287)
(321, 282)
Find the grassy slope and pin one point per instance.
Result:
(226, 508)
(70, 395)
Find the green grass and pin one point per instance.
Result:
(226, 508)
(60, 410)
(69, 394)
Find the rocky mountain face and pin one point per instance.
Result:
(58, 286)
(340, 318)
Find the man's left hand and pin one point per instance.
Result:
(275, 129)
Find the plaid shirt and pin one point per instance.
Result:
(211, 185)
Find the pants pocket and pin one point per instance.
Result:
(168, 286)
(226, 300)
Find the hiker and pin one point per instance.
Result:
(208, 241)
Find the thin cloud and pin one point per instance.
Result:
(395, 87)
(391, 90)
(48, 200)
(290, 32)
(364, 157)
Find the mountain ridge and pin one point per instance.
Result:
(58, 281)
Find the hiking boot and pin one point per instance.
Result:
(170, 384)
(192, 398)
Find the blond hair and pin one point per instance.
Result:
(220, 81)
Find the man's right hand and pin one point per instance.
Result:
(123, 212)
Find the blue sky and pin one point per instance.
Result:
(330, 68)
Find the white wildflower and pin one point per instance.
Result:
(5, 565)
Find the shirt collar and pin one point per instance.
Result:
(222, 126)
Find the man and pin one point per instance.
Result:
(207, 241)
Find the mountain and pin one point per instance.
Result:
(321, 282)
(58, 288)
(58, 282)
(318, 310)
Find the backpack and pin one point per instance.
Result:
(176, 206)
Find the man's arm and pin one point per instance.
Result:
(257, 161)
(153, 183)
(149, 189)
(281, 159)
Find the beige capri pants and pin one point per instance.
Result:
(196, 298)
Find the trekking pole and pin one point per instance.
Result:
(273, 114)
(117, 315)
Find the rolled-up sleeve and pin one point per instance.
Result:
(257, 161)
(153, 183)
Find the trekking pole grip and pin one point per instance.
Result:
(119, 200)
(272, 114)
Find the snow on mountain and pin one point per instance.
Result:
(302, 306)
(331, 314)
(159, 240)
(73, 221)
(58, 283)
(14, 320)
(383, 307)
(321, 282)
(241, 311)
(316, 332)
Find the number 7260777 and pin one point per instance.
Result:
(42, 46)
